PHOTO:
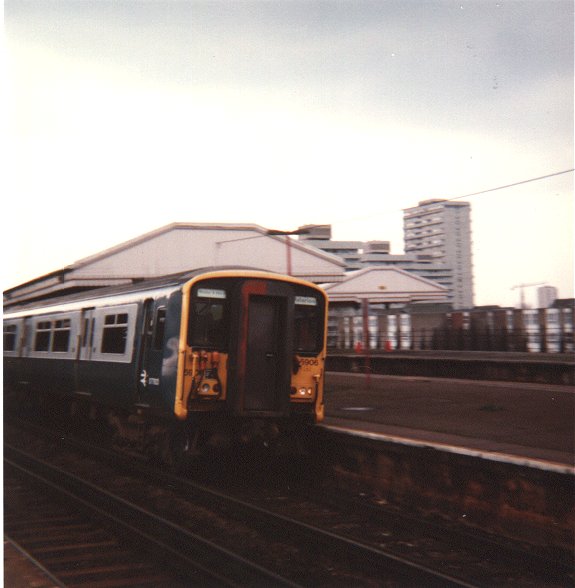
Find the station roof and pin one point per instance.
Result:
(385, 285)
(182, 247)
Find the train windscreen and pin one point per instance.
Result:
(209, 324)
(308, 319)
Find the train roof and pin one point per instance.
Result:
(165, 284)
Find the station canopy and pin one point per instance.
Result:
(385, 285)
(183, 247)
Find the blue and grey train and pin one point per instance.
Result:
(216, 355)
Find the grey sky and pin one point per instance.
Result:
(380, 104)
(441, 58)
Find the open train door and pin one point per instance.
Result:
(265, 342)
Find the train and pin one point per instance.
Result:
(427, 327)
(173, 365)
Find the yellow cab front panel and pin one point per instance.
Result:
(252, 344)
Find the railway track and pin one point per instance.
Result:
(83, 534)
(330, 548)
(65, 543)
(281, 551)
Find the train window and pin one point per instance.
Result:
(61, 338)
(115, 333)
(160, 328)
(85, 332)
(10, 337)
(109, 332)
(51, 336)
(43, 336)
(209, 324)
(307, 324)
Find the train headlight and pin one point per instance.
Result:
(305, 392)
(209, 388)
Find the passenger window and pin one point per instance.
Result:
(160, 329)
(10, 337)
(61, 339)
(115, 333)
(43, 336)
(92, 327)
(85, 332)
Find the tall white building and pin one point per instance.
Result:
(440, 231)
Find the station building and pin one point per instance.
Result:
(383, 307)
(181, 247)
(384, 304)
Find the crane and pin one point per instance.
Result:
(522, 290)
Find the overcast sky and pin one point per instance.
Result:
(124, 116)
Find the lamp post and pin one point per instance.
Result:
(287, 235)
(302, 231)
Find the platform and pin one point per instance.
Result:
(523, 420)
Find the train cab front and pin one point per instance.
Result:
(253, 353)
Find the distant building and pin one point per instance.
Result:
(319, 236)
(381, 295)
(383, 287)
(437, 247)
(546, 296)
(440, 230)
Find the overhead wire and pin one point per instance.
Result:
(519, 183)
(565, 171)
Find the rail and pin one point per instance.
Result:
(334, 542)
(179, 543)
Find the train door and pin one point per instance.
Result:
(404, 331)
(530, 318)
(264, 354)
(552, 330)
(372, 331)
(151, 352)
(392, 332)
(84, 371)
(85, 347)
(346, 333)
(357, 326)
(264, 342)
(567, 331)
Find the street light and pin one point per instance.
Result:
(288, 242)
(271, 232)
